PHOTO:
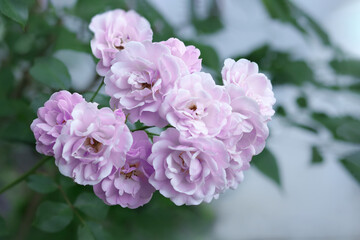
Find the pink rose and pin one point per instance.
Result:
(140, 77)
(257, 86)
(245, 134)
(51, 119)
(189, 54)
(92, 144)
(188, 170)
(112, 31)
(129, 186)
(196, 106)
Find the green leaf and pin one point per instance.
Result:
(51, 72)
(212, 23)
(342, 128)
(161, 27)
(282, 67)
(316, 156)
(3, 229)
(6, 82)
(91, 205)
(352, 165)
(287, 12)
(266, 163)
(92, 231)
(39, 101)
(69, 40)
(53, 216)
(302, 102)
(101, 99)
(17, 10)
(349, 67)
(41, 184)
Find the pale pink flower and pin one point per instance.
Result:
(196, 106)
(255, 85)
(140, 77)
(51, 119)
(92, 144)
(129, 186)
(189, 54)
(245, 134)
(188, 170)
(112, 31)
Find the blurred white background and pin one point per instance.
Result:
(315, 201)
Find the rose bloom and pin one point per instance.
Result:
(196, 106)
(112, 31)
(51, 119)
(129, 186)
(92, 144)
(188, 170)
(257, 86)
(245, 134)
(189, 54)
(139, 78)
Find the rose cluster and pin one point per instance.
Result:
(212, 132)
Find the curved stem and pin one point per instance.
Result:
(71, 205)
(25, 175)
(97, 91)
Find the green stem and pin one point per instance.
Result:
(71, 205)
(141, 128)
(97, 91)
(25, 175)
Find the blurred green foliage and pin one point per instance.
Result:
(52, 206)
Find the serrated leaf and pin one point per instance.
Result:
(17, 10)
(3, 229)
(53, 216)
(51, 72)
(352, 165)
(316, 156)
(41, 184)
(39, 101)
(212, 23)
(266, 163)
(91, 205)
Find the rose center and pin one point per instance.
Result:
(193, 107)
(146, 85)
(130, 171)
(93, 144)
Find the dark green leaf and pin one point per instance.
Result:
(53, 216)
(91, 205)
(316, 156)
(209, 56)
(302, 102)
(41, 184)
(6, 82)
(342, 128)
(266, 163)
(287, 12)
(3, 229)
(352, 165)
(51, 72)
(101, 99)
(280, 110)
(282, 67)
(69, 40)
(92, 231)
(161, 27)
(349, 67)
(305, 127)
(87, 9)
(17, 10)
(212, 23)
(39, 101)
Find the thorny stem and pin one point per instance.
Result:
(25, 175)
